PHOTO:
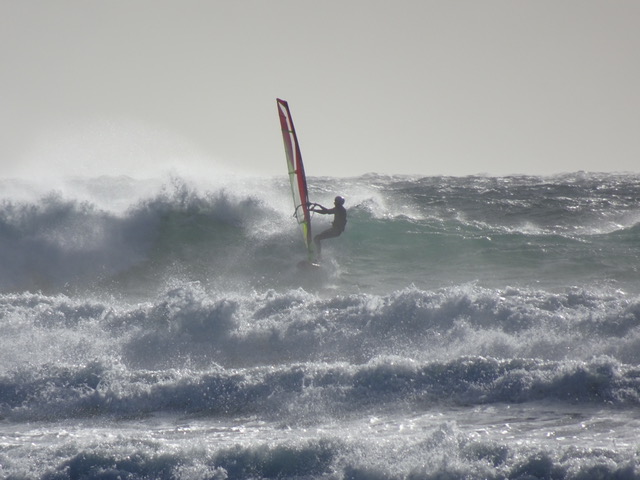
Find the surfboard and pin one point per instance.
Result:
(298, 181)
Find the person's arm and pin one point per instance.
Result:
(319, 209)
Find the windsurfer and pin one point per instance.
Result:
(339, 221)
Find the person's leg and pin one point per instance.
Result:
(329, 233)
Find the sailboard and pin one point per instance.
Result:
(298, 181)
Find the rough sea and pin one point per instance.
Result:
(461, 328)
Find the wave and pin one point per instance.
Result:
(315, 458)
(308, 393)
(441, 452)
(109, 235)
(262, 354)
(54, 242)
(188, 323)
(162, 330)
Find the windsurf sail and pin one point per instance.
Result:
(296, 175)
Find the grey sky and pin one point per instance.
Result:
(421, 87)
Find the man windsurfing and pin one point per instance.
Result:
(339, 221)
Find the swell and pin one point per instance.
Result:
(190, 324)
(307, 393)
(300, 355)
(58, 242)
(441, 452)
(430, 232)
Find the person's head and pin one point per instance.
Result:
(338, 200)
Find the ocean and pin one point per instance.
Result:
(461, 328)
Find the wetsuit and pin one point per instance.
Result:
(337, 227)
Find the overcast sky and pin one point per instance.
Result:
(396, 86)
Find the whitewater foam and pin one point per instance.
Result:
(460, 328)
